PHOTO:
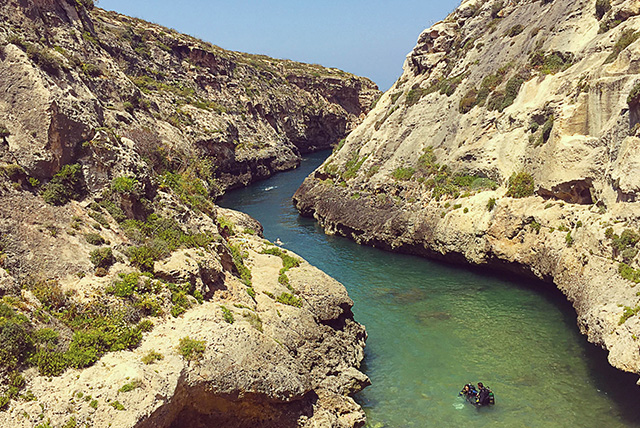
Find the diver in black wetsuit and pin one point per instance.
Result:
(485, 396)
(469, 392)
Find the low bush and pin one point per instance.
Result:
(4, 131)
(491, 204)
(124, 185)
(102, 257)
(227, 315)
(403, 173)
(627, 313)
(94, 239)
(514, 31)
(191, 349)
(151, 357)
(289, 299)
(238, 260)
(629, 273)
(626, 38)
(352, 166)
(520, 185)
(66, 185)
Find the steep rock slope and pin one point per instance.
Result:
(510, 140)
(66, 72)
(129, 298)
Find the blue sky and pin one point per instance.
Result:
(366, 37)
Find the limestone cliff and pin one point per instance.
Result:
(66, 72)
(510, 140)
(129, 299)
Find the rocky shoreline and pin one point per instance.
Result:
(263, 362)
(518, 236)
(510, 141)
(129, 299)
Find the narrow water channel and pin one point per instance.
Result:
(433, 327)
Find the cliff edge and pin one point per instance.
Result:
(511, 141)
(128, 298)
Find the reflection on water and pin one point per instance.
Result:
(434, 327)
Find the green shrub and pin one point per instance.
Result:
(94, 239)
(633, 99)
(16, 342)
(535, 226)
(626, 38)
(289, 299)
(225, 224)
(627, 239)
(144, 257)
(130, 386)
(177, 310)
(515, 30)
(4, 131)
(629, 273)
(628, 254)
(468, 101)
(628, 313)
(546, 131)
(50, 362)
(66, 185)
(352, 166)
(102, 257)
(227, 315)
(125, 185)
(403, 173)
(151, 357)
(238, 261)
(100, 219)
(414, 95)
(91, 70)
(288, 261)
(191, 349)
(126, 286)
(520, 185)
(491, 204)
(116, 405)
(569, 239)
(44, 58)
(145, 326)
(511, 91)
(550, 63)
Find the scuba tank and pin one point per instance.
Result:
(492, 398)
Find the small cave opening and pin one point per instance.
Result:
(573, 192)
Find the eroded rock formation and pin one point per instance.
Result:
(508, 141)
(129, 299)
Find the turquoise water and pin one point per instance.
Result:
(433, 327)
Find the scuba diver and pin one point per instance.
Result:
(482, 396)
(469, 392)
(485, 396)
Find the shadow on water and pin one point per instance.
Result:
(433, 326)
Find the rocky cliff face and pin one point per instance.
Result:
(66, 73)
(129, 299)
(511, 141)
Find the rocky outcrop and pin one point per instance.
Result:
(508, 142)
(263, 363)
(129, 299)
(67, 73)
